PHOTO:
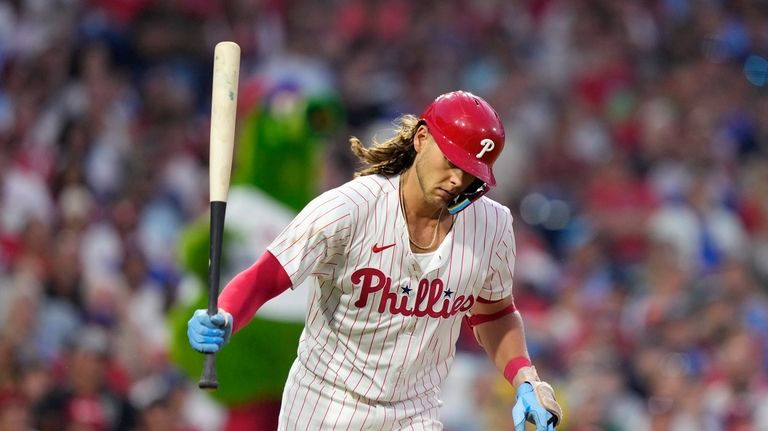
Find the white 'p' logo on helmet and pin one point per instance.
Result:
(488, 145)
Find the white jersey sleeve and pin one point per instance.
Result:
(498, 283)
(315, 238)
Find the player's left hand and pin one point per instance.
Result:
(536, 403)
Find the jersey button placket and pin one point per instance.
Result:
(410, 321)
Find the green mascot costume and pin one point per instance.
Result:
(277, 164)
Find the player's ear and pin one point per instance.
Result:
(421, 137)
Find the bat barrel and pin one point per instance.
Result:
(226, 76)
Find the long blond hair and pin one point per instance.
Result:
(392, 156)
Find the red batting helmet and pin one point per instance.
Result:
(468, 131)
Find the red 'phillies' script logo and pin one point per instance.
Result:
(428, 296)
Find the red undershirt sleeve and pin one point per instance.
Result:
(252, 288)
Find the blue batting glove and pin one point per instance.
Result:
(528, 407)
(207, 334)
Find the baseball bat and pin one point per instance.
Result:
(226, 73)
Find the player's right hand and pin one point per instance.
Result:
(207, 334)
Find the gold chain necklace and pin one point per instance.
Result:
(407, 226)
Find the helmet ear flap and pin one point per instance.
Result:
(477, 189)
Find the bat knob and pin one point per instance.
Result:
(208, 385)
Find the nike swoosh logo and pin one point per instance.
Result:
(377, 249)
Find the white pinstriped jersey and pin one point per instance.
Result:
(378, 325)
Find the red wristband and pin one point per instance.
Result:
(514, 365)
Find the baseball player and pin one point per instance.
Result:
(396, 259)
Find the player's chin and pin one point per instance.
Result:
(439, 202)
(443, 196)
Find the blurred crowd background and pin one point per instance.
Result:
(636, 166)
